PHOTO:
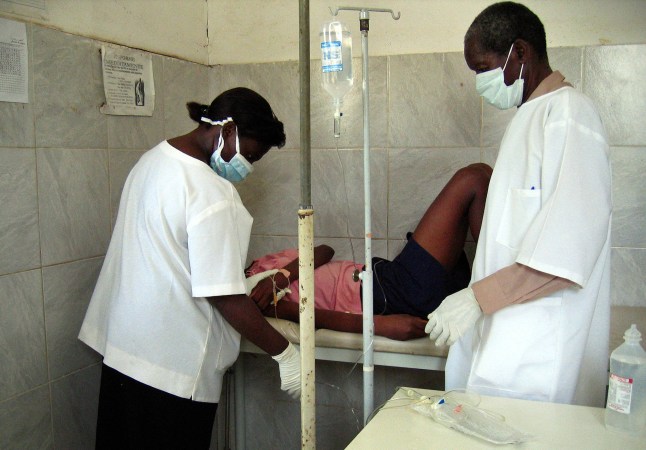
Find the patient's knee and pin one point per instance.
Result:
(476, 176)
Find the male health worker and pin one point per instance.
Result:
(534, 323)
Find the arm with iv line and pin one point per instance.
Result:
(513, 284)
(263, 292)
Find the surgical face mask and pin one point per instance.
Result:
(491, 86)
(234, 170)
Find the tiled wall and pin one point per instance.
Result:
(63, 163)
(62, 166)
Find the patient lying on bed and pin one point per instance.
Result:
(431, 266)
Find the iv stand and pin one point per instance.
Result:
(366, 275)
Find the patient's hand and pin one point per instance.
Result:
(401, 327)
(263, 293)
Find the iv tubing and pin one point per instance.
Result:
(306, 241)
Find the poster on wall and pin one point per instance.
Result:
(14, 75)
(127, 82)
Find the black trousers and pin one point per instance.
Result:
(133, 415)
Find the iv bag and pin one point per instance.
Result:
(336, 59)
(336, 64)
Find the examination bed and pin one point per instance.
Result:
(347, 347)
(417, 353)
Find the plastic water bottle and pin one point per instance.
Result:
(626, 406)
(336, 64)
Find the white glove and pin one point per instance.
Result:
(455, 316)
(289, 364)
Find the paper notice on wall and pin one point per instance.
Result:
(14, 75)
(127, 82)
(40, 4)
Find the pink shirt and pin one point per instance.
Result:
(334, 288)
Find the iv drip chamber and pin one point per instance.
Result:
(336, 65)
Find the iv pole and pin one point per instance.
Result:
(366, 275)
(306, 241)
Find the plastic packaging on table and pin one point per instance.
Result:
(626, 405)
(452, 412)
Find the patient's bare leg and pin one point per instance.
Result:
(459, 207)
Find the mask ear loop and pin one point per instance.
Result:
(508, 56)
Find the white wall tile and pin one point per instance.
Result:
(416, 177)
(25, 421)
(615, 77)
(19, 242)
(68, 91)
(432, 102)
(182, 82)
(75, 401)
(628, 187)
(338, 192)
(272, 193)
(628, 279)
(121, 162)
(22, 334)
(74, 204)
(67, 289)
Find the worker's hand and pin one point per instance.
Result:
(401, 327)
(289, 364)
(454, 317)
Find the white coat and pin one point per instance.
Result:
(548, 207)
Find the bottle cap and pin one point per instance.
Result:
(633, 334)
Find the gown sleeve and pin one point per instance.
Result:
(568, 234)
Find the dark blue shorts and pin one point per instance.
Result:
(414, 282)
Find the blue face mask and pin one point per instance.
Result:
(234, 170)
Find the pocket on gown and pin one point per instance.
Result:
(521, 207)
(518, 352)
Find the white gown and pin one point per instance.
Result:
(549, 207)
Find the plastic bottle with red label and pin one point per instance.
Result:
(626, 404)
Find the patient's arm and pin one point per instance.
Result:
(322, 255)
(263, 293)
(401, 327)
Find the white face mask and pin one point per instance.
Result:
(491, 86)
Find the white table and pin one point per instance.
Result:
(554, 426)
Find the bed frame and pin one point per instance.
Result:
(341, 347)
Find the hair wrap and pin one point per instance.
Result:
(216, 122)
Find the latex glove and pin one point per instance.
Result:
(454, 317)
(289, 364)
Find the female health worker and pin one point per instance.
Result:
(169, 306)
(534, 322)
